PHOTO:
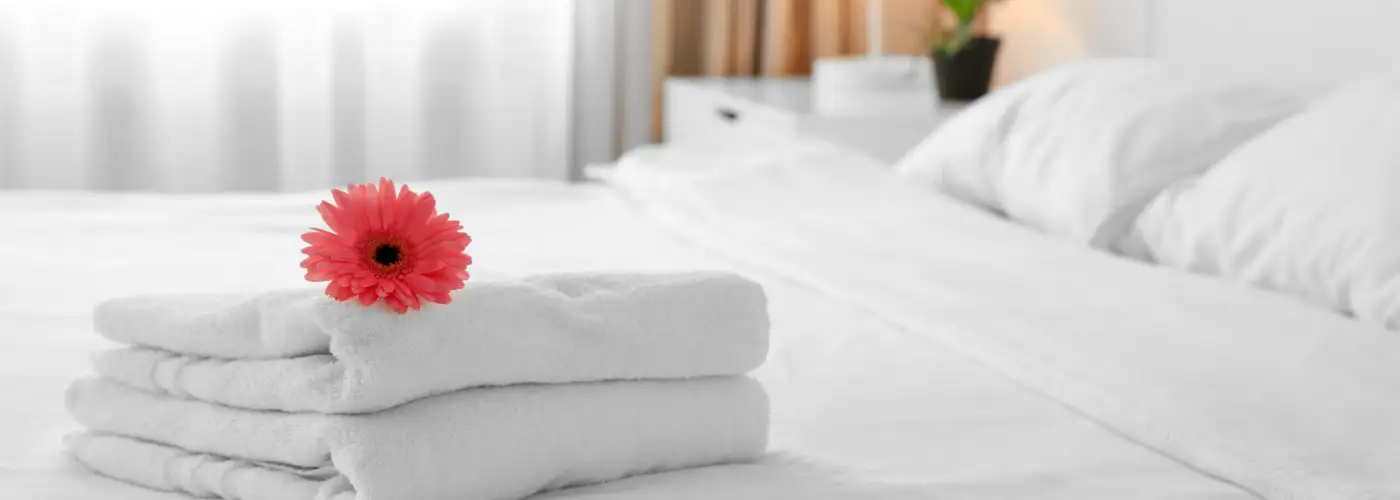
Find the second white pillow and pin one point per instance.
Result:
(1310, 208)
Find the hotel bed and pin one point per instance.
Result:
(922, 348)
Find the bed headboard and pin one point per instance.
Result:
(1308, 45)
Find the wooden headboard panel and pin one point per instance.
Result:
(1307, 45)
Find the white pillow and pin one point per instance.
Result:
(1078, 150)
(1311, 207)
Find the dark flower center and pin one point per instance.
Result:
(386, 254)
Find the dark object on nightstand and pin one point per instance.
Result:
(966, 74)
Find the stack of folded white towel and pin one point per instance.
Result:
(513, 388)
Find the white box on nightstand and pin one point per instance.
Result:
(739, 111)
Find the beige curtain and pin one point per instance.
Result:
(774, 38)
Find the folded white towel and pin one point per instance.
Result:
(493, 443)
(300, 351)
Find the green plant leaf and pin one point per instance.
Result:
(959, 40)
(966, 10)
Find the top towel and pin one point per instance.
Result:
(300, 351)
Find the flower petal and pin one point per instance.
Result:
(419, 283)
(422, 211)
(372, 211)
(368, 297)
(438, 297)
(428, 265)
(407, 296)
(319, 273)
(320, 237)
(338, 292)
(386, 203)
(403, 206)
(335, 219)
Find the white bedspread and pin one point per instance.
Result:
(874, 397)
(1288, 400)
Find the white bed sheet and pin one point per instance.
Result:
(863, 406)
(1282, 397)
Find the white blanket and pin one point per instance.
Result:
(1288, 400)
(301, 351)
(493, 443)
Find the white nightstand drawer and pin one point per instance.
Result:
(702, 115)
(718, 112)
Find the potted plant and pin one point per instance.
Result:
(963, 59)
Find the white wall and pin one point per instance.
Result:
(1305, 45)
(1038, 34)
(1301, 44)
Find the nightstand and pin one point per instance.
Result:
(742, 111)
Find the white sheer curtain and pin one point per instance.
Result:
(204, 95)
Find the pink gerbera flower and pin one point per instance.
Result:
(387, 245)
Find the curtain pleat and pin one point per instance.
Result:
(786, 38)
(720, 38)
(237, 95)
(747, 19)
(832, 28)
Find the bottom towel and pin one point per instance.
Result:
(496, 443)
(774, 477)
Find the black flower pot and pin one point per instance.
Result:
(966, 75)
